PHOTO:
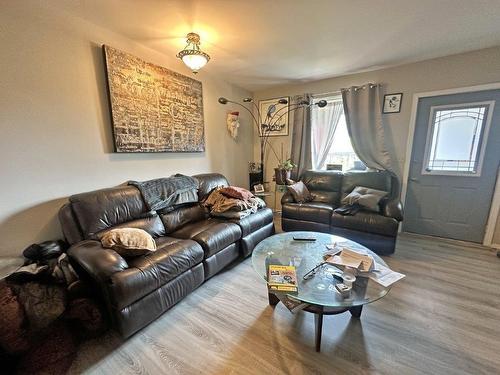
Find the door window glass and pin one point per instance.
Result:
(455, 140)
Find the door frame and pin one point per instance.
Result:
(495, 202)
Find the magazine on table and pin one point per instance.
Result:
(281, 279)
(291, 303)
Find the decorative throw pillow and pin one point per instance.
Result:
(365, 197)
(129, 242)
(300, 192)
(236, 192)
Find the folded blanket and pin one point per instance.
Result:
(348, 209)
(164, 193)
(233, 214)
(218, 203)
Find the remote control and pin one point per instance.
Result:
(310, 239)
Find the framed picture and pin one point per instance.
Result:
(392, 103)
(259, 188)
(274, 116)
(153, 109)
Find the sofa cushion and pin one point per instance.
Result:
(208, 182)
(312, 211)
(324, 185)
(183, 215)
(366, 221)
(101, 209)
(373, 179)
(213, 235)
(255, 221)
(150, 272)
(151, 224)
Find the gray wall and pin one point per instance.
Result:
(56, 132)
(473, 68)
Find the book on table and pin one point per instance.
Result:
(281, 279)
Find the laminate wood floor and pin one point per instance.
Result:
(443, 318)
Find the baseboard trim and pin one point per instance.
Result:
(448, 240)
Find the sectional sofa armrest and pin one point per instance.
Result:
(97, 262)
(287, 198)
(393, 208)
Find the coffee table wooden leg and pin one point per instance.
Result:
(318, 322)
(273, 300)
(356, 311)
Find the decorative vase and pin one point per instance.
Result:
(281, 175)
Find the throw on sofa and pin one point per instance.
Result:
(375, 230)
(191, 247)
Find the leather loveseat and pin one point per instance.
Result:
(377, 231)
(191, 247)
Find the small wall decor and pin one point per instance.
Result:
(233, 123)
(392, 103)
(274, 116)
(153, 109)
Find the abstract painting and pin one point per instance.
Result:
(153, 109)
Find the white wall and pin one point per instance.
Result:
(55, 124)
(468, 69)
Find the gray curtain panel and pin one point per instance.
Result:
(324, 124)
(301, 153)
(363, 114)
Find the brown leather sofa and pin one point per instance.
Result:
(191, 247)
(377, 231)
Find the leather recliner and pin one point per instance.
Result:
(191, 247)
(375, 230)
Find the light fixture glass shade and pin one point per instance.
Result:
(195, 62)
(191, 55)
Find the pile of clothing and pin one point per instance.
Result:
(46, 311)
(232, 202)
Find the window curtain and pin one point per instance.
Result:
(324, 123)
(363, 114)
(301, 153)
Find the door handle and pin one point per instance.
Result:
(413, 179)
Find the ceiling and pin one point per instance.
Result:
(261, 43)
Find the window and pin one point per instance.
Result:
(455, 139)
(331, 144)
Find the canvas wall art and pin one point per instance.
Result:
(153, 109)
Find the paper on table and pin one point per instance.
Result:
(350, 258)
(385, 276)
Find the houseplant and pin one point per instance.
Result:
(283, 171)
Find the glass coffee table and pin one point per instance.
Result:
(319, 291)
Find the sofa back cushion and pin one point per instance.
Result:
(183, 215)
(372, 179)
(98, 210)
(152, 224)
(208, 182)
(324, 185)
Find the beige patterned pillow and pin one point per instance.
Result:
(129, 242)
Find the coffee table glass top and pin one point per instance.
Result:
(319, 290)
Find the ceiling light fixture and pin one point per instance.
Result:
(192, 55)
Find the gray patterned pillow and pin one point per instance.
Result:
(365, 197)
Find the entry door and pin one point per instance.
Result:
(454, 164)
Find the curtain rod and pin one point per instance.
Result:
(339, 91)
(362, 87)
